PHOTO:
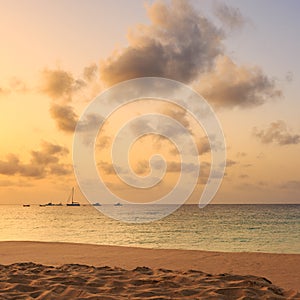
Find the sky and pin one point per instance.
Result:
(241, 56)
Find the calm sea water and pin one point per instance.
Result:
(235, 228)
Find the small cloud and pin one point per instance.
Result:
(230, 85)
(108, 168)
(203, 145)
(11, 183)
(290, 185)
(229, 16)
(17, 85)
(260, 155)
(241, 154)
(10, 166)
(174, 167)
(142, 167)
(262, 183)
(247, 165)
(2, 91)
(60, 169)
(58, 84)
(51, 149)
(289, 77)
(103, 141)
(90, 72)
(89, 123)
(230, 162)
(244, 176)
(14, 85)
(278, 133)
(64, 116)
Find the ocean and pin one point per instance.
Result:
(230, 228)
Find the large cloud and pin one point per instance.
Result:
(45, 161)
(180, 43)
(277, 132)
(232, 85)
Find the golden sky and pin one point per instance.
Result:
(56, 57)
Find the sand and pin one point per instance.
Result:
(77, 271)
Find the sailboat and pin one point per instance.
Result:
(73, 203)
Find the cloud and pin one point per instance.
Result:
(10, 166)
(103, 141)
(290, 185)
(232, 85)
(89, 123)
(241, 154)
(178, 114)
(230, 17)
(57, 84)
(277, 132)
(289, 77)
(143, 167)
(90, 72)
(244, 176)
(18, 85)
(64, 116)
(230, 162)
(15, 85)
(60, 169)
(42, 162)
(203, 145)
(63, 89)
(107, 167)
(177, 167)
(60, 86)
(10, 183)
(51, 149)
(2, 91)
(179, 44)
(182, 44)
(49, 154)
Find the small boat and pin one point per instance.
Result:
(47, 204)
(118, 204)
(50, 204)
(26, 205)
(96, 204)
(71, 197)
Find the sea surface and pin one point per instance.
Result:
(232, 228)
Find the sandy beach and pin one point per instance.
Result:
(43, 270)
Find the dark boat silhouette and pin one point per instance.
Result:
(51, 204)
(71, 197)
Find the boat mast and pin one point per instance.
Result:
(72, 194)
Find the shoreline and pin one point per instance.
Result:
(282, 269)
